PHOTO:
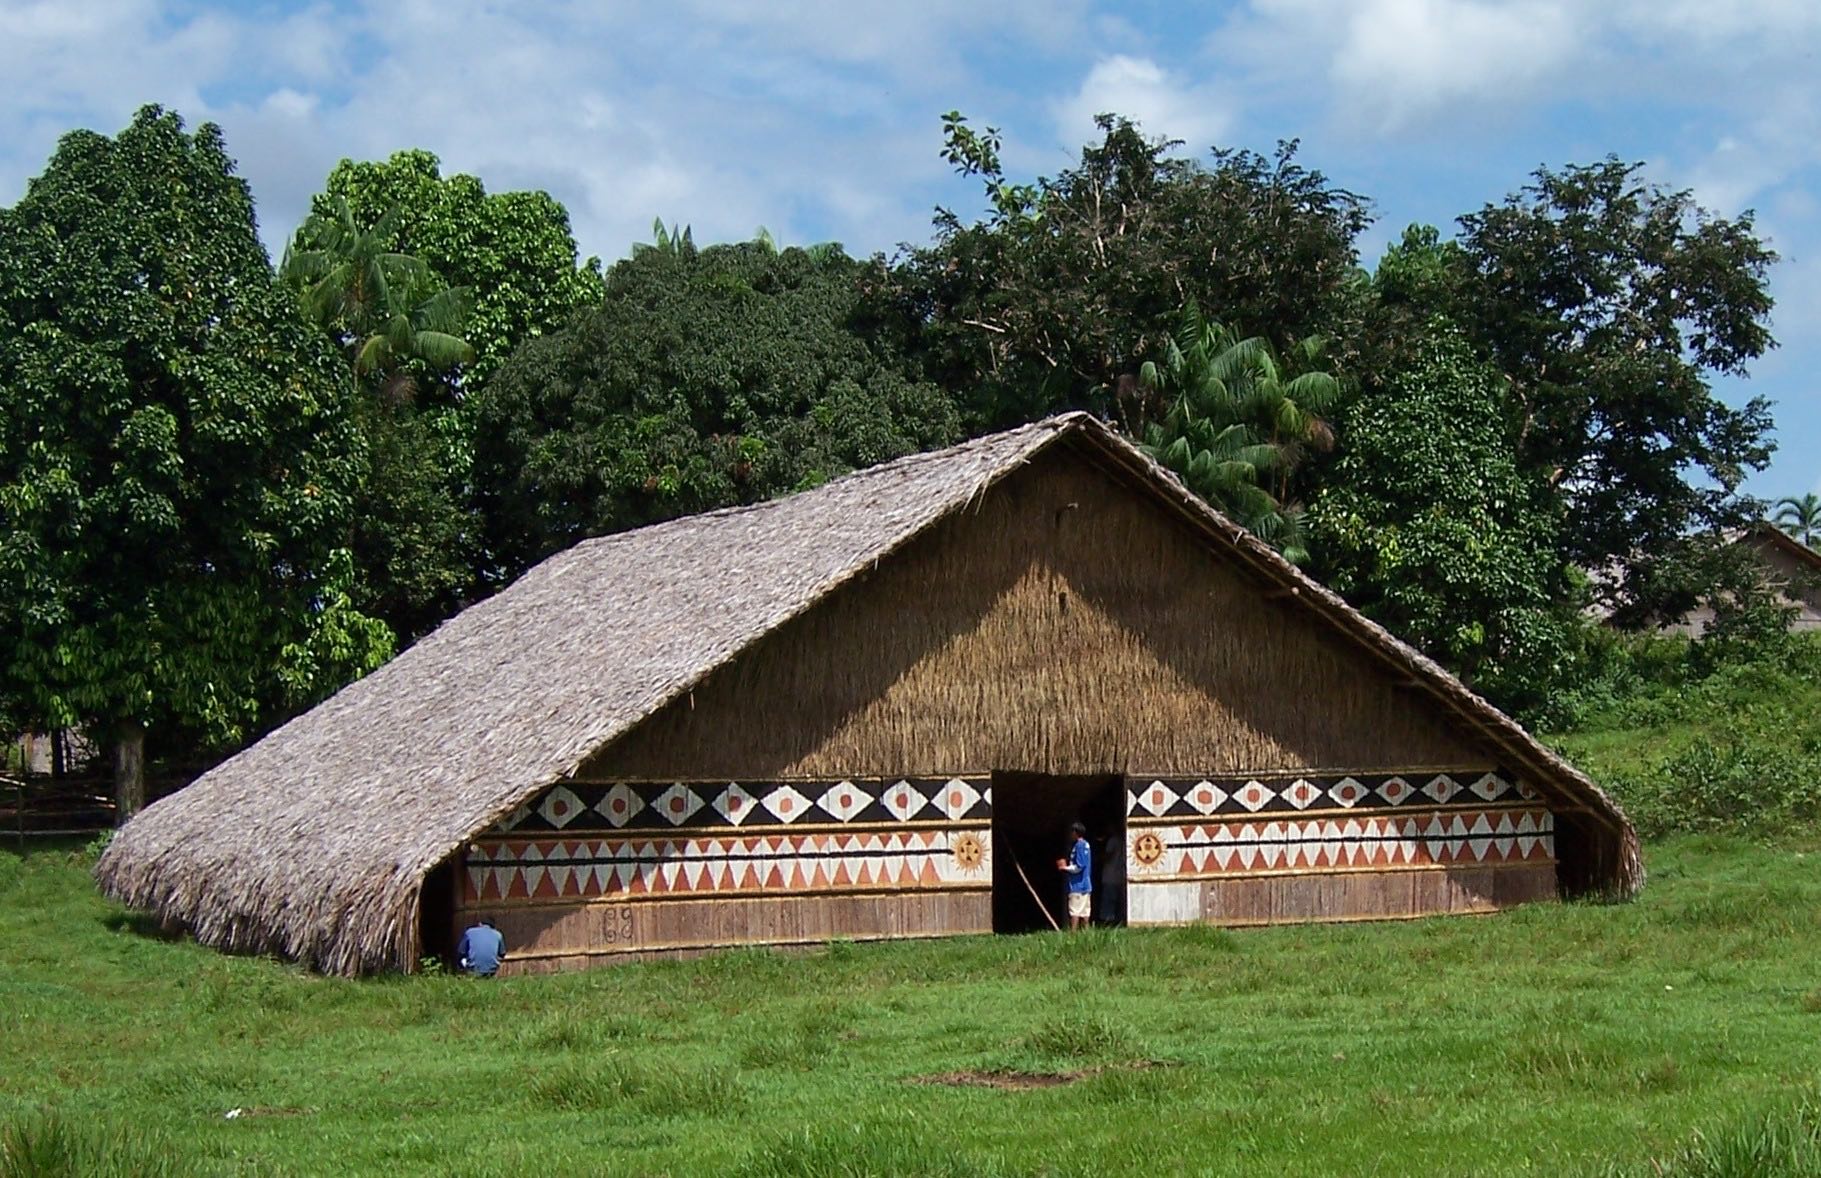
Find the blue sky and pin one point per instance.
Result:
(820, 119)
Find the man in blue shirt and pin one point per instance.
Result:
(1078, 869)
(481, 949)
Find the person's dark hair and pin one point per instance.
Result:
(1077, 829)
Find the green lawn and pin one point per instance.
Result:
(1558, 1038)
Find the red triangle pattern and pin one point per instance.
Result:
(1366, 841)
(558, 869)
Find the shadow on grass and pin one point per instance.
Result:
(140, 924)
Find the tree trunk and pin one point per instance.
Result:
(129, 770)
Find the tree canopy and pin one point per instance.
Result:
(1055, 297)
(513, 250)
(1238, 425)
(1429, 524)
(706, 378)
(389, 311)
(1608, 304)
(178, 456)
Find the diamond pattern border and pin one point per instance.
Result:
(1167, 797)
(572, 807)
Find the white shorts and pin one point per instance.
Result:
(1081, 904)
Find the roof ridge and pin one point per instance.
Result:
(1059, 422)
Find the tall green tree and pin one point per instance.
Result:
(514, 250)
(708, 377)
(418, 544)
(1609, 304)
(178, 456)
(1429, 524)
(1801, 518)
(1067, 284)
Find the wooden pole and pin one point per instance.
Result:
(1041, 906)
(129, 771)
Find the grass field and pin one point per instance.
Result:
(1679, 1030)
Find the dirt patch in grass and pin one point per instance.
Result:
(1011, 1080)
(1005, 1081)
(241, 1114)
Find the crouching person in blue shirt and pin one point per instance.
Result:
(1078, 869)
(481, 950)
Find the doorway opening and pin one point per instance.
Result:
(436, 933)
(1031, 817)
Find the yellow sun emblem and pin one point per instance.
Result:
(1147, 848)
(968, 851)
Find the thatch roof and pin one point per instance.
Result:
(314, 842)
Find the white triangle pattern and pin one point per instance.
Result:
(1241, 846)
(789, 862)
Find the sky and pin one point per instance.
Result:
(821, 119)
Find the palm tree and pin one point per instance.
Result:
(386, 309)
(1235, 429)
(1801, 518)
(679, 243)
(1296, 408)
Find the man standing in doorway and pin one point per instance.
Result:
(1078, 869)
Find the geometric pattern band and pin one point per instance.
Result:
(1290, 793)
(1219, 849)
(713, 865)
(575, 807)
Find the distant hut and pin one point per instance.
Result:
(870, 711)
(1788, 567)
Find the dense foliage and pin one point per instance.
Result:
(1069, 283)
(1687, 745)
(706, 378)
(1429, 525)
(403, 331)
(1608, 304)
(1236, 425)
(389, 311)
(178, 455)
(513, 250)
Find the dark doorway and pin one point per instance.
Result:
(1031, 817)
(436, 913)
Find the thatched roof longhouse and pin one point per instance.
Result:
(314, 843)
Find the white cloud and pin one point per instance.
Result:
(1160, 102)
(1388, 65)
(817, 118)
(1400, 59)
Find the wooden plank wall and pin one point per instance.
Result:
(594, 871)
(1340, 846)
